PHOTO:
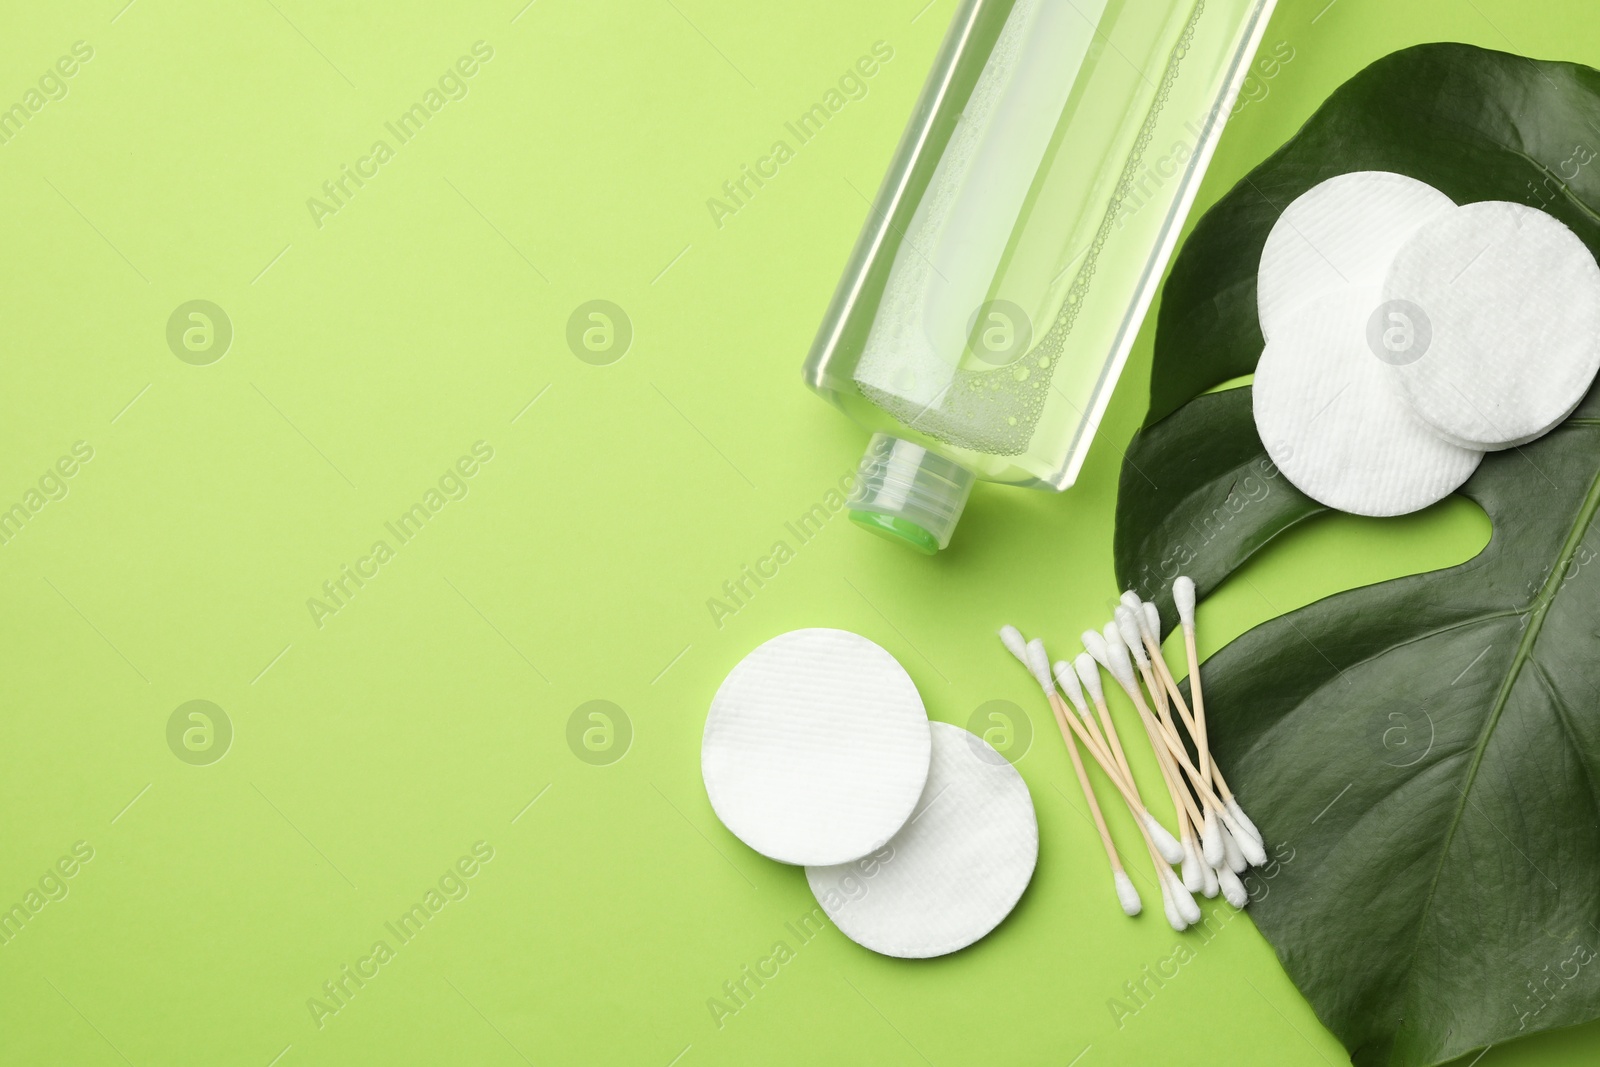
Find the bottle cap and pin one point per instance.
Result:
(908, 494)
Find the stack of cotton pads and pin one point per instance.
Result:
(917, 837)
(1406, 336)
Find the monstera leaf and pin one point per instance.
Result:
(1430, 746)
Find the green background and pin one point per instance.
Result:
(431, 711)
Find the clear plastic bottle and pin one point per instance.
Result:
(1016, 242)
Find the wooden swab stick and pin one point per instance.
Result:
(1150, 633)
(1038, 664)
(1183, 597)
(1088, 666)
(1110, 646)
(1128, 628)
(1127, 894)
(1176, 792)
(1122, 670)
(1195, 872)
(1149, 620)
(1117, 660)
(1179, 906)
(1068, 683)
(1176, 897)
(1133, 636)
(1073, 680)
(1078, 678)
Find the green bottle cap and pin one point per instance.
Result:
(894, 528)
(909, 495)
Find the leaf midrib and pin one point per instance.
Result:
(1537, 614)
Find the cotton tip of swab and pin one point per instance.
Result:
(1088, 672)
(1252, 849)
(1246, 844)
(1183, 597)
(1038, 661)
(1150, 622)
(1012, 638)
(1112, 635)
(1118, 663)
(1183, 900)
(1127, 896)
(1244, 820)
(1211, 841)
(1233, 853)
(1128, 627)
(1166, 844)
(1192, 878)
(1095, 645)
(1131, 599)
(1070, 685)
(1233, 890)
(1170, 905)
(1211, 885)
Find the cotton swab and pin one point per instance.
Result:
(1211, 836)
(1129, 620)
(1129, 627)
(1214, 845)
(1120, 667)
(1146, 632)
(1233, 853)
(1089, 675)
(1127, 623)
(1099, 652)
(1070, 684)
(1232, 889)
(1233, 830)
(1193, 880)
(1183, 599)
(1172, 894)
(1037, 661)
(1211, 884)
(1127, 895)
(1118, 653)
(1183, 901)
(1122, 670)
(1210, 879)
(1083, 675)
(1183, 596)
(1150, 632)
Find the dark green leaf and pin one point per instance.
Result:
(1429, 747)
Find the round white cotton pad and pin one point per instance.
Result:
(1333, 422)
(816, 747)
(1498, 306)
(1341, 232)
(957, 868)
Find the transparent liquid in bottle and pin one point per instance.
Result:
(1017, 240)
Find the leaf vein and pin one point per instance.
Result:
(1541, 607)
(1563, 716)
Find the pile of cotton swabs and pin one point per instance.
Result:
(1216, 841)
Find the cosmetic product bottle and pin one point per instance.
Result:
(1017, 240)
